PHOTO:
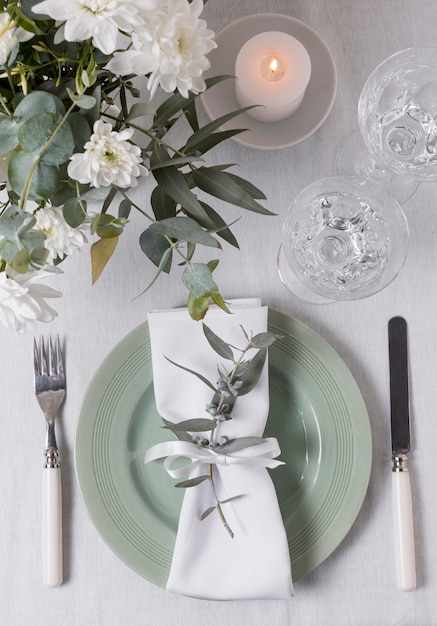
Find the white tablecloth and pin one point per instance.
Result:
(356, 584)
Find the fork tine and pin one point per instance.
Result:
(36, 367)
(43, 359)
(59, 359)
(52, 359)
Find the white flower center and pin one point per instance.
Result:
(98, 7)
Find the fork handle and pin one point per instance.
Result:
(52, 525)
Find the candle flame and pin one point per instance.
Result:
(273, 66)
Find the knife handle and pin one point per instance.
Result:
(403, 530)
(52, 527)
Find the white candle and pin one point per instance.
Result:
(273, 70)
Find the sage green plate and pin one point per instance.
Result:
(317, 413)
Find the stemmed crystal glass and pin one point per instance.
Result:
(344, 238)
(397, 117)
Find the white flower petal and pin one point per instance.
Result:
(23, 301)
(109, 159)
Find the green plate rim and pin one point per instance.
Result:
(310, 541)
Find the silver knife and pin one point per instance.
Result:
(400, 433)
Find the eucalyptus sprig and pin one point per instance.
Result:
(54, 92)
(239, 379)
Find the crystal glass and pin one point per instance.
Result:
(397, 113)
(344, 238)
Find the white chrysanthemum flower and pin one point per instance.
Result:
(109, 159)
(96, 19)
(173, 49)
(10, 35)
(61, 239)
(23, 301)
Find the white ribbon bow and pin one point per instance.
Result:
(262, 454)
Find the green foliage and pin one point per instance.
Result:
(50, 97)
(241, 378)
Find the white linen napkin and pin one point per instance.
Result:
(207, 562)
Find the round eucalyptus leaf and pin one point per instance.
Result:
(74, 212)
(80, 128)
(37, 102)
(197, 278)
(20, 262)
(45, 178)
(8, 135)
(39, 131)
(108, 226)
(38, 257)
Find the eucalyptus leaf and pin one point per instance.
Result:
(250, 374)
(20, 262)
(263, 340)
(159, 270)
(74, 212)
(240, 443)
(197, 306)
(94, 194)
(14, 220)
(37, 102)
(180, 434)
(211, 141)
(38, 257)
(173, 181)
(101, 252)
(44, 178)
(200, 376)
(155, 246)
(80, 128)
(197, 278)
(107, 226)
(8, 135)
(207, 512)
(231, 499)
(93, 114)
(218, 345)
(221, 185)
(192, 482)
(25, 22)
(220, 302)
(191, 115)
(184, 229)
(196, 425)
(189, 253)
(177, 161)
(253, 191)
(213, 264)
(45, 134)
(8, 249)
(124, 208)
(140, 109)
(162, 204)
(208, 129)
(216, 222)
(83, 101)
(32, 239)
(177, 103)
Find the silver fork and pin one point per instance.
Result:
(50, 394)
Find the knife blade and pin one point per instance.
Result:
(400, 432)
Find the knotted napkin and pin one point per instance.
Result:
(207, 562)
